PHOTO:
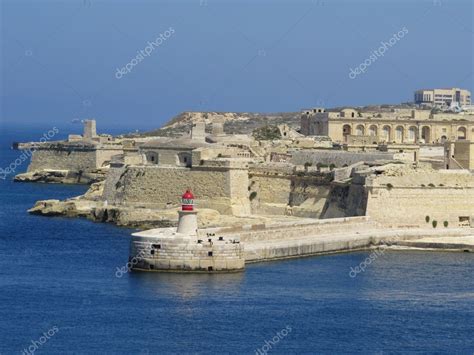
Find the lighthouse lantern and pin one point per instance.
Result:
(187, 201)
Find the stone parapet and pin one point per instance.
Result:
(167, 251)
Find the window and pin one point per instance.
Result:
(464, 221)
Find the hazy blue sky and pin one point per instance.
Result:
(60, 58)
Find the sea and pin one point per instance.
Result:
(60, 292)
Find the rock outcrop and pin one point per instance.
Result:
(61, 176)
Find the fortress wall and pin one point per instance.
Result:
(445, 197)
(339, 158)
(275, 194)
(271, 189)
(62, 160)
(103, 156)
(345, 200)
(222, 189)
(113, 190)
(296, 230)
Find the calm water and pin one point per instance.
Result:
(58, 275)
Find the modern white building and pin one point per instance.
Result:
(443, 97)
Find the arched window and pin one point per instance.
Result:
(386, 133)
(360, 130)
(412, 133)
(426, 134)
(373, 130)
(346, 131)
(462, 133)
(399, 134)
(152, 157)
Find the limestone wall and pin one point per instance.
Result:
(291, 230)
(184, 254)
(408, 199)
(104, 155)
(222, 189)
(74, 158)
(339, 158)
(345, 200)
(273, 192)
(63, 160)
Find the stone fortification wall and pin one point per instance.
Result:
(104, 155)
(71, 157)
(337, 157)
(345, 200)
(408, 199)
(184, 254)
(62, 160)
(223, 188)
(279, 190)
(291, 230)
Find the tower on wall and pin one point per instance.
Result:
(198, 131)
(90, 129)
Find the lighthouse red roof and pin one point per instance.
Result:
(187, 201)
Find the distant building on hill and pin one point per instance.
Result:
(443, 97)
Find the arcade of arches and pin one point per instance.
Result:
(409, 133)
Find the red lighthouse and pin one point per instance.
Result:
(187, 201)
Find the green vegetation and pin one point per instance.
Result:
(253, 195)
(266, 133)
(307, 164)
(445, 224)
(332, 166)
(434, 223)
(431, 185)
(427, 219)
(389, 186)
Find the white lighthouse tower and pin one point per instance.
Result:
(187, 223)
(181, 250)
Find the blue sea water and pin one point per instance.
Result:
(59, 275)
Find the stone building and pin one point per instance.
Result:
(177, 152)
(459, 155)
(443, 97)
(408, 127)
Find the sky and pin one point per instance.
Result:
(63, 60)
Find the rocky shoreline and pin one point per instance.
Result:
(62, 176)
(93, 207)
